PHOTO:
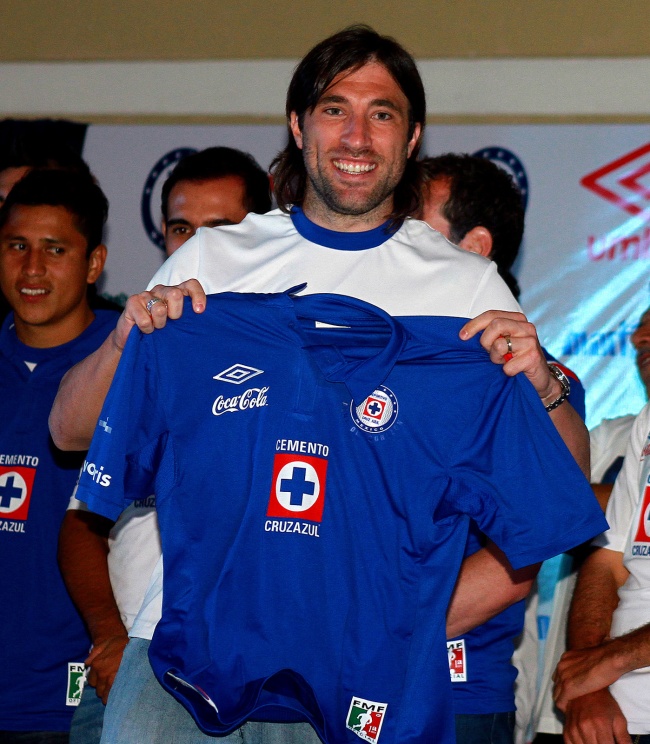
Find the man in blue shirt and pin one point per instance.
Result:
(50, 251)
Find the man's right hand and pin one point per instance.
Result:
(595, 719)
(170, 306)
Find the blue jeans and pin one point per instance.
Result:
(488, 728)
(140, 710)
(88, 718)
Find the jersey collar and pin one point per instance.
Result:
(342, 241)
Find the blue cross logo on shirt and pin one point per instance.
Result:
(8, 492)
(374, 409)
(298, 486)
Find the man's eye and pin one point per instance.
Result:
(333, 111)
(180, 230)
(383, 116)
(16, 246)
(56, 250)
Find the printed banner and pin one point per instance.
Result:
(583, 265)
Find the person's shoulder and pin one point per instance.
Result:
(253, 225)
(608, 427)
(425, 238)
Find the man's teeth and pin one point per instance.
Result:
(32, 292)
(354, 168)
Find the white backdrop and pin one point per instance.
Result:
(584, 264)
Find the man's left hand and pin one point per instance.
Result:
(103, 663)
(523, 353)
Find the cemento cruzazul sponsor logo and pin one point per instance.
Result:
(238, 373)
(252, 398)
(16, 485)
(297, 486)
(365, 718)
(96, 473)
(623, 181)
(377, 413)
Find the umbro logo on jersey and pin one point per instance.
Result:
(365, 718)
(238, 373)
(377, 413)
(16, 486)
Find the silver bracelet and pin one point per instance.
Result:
(555, 370)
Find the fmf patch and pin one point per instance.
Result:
(16, 486)
(298, 487)
(76, 682)
(365, 718)
(457, 660)
(377, 413)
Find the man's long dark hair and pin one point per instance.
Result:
(349, 50)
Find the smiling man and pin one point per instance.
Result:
(50, 250)
(345, 184)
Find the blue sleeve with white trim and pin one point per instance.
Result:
(126, 450)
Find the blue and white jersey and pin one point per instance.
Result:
(314, 486)
(44, 641)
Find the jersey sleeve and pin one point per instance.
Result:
(492, 293)
(627, 489)
(520, 483)
(129, 440)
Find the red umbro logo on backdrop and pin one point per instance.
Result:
(624, 182)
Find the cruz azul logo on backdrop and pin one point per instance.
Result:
(297, 487)
(365, 718)
(16, 484)
(237, 374)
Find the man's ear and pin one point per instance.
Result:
(96, 262)
(478, 240)
(295, 129)
(163, 228)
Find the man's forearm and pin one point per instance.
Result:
(83, 552)
(81, 396)
(574, 434)
(487, 584)
(595, 598)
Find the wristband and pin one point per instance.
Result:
(555, 370)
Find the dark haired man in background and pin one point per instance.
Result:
(50, 250)
(476, 205)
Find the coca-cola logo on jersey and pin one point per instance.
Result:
(252, 398)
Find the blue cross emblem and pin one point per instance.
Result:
(297, 486)
(374, 409)
(8, 492)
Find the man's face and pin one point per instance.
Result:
(194, 204)
(9, 177)
(44, 272)
(641, 341)
(355, 145)
(436, 195)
